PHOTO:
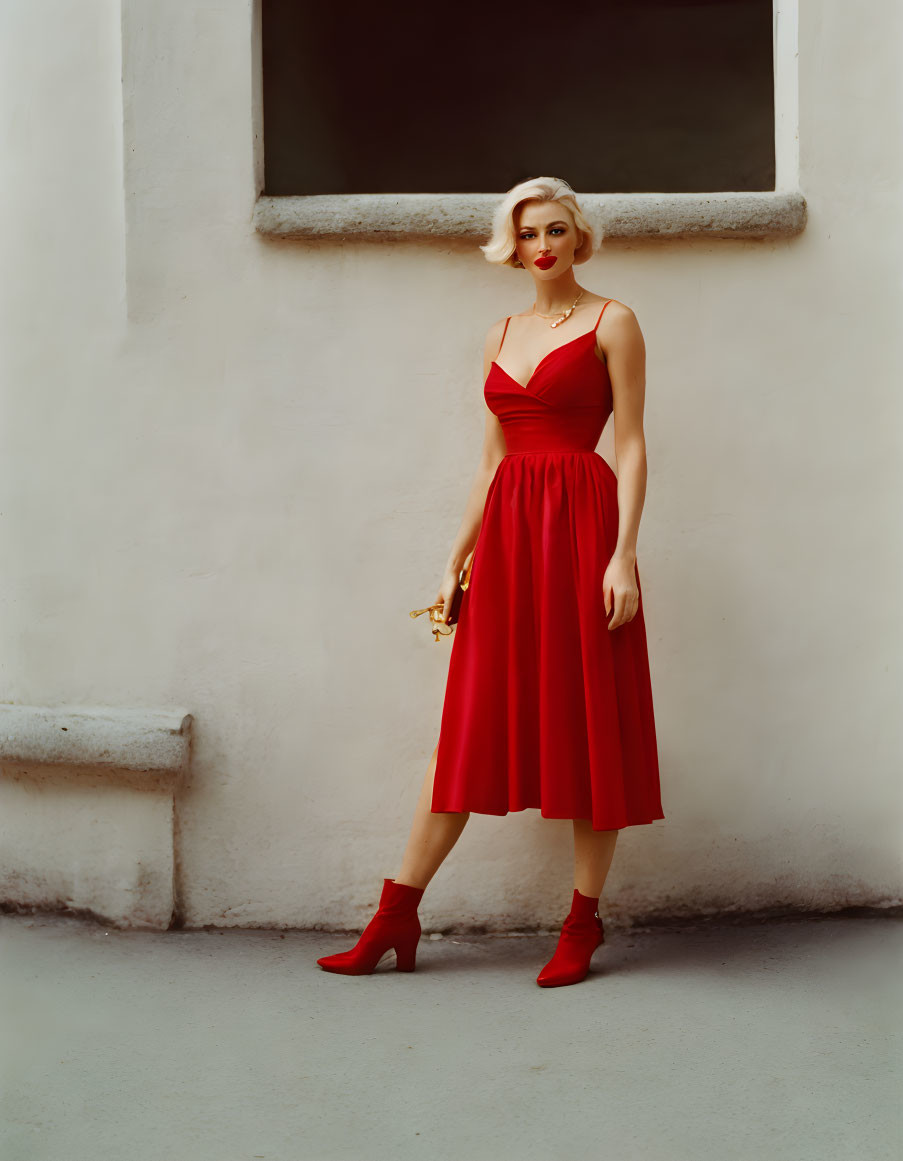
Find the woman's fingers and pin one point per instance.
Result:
(619, 610)
(626, 604)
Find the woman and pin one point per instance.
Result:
(548, 701)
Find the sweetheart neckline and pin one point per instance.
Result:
(548, 354)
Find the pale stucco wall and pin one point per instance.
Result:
(230, 466)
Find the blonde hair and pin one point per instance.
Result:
(501, 247)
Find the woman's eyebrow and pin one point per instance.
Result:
(551, 224)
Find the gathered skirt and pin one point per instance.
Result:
(545, 707)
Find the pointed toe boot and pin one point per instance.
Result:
(581, 933)
(394, 928)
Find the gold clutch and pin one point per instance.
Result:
(439, 626)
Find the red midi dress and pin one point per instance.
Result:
(546, 707)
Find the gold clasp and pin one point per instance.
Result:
(439, 627)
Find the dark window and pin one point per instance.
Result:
(617, 96)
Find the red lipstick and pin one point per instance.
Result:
(545, 263)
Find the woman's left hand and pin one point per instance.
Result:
(619, 590)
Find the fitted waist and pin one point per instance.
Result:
(553, 451)
(531, 426)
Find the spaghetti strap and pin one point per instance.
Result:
(601, 312)
(499, 351)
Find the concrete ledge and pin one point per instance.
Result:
(136, 744)
(362, 217)
(87, 810)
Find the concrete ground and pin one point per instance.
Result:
(778, 1041)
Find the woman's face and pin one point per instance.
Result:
(545, 238)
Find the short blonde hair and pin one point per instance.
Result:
(501, 247)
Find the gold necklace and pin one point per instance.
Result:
(559, 319)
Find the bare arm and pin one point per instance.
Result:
(625, 351)
(490, 456)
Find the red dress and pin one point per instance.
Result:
(545, 706)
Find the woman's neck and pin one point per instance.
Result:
(555, 297)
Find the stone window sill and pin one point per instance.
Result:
(374, 217)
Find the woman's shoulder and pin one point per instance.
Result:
(615, 309)
(613, 306)
(619, 321)
(495, 332)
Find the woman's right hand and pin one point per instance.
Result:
(447, 590)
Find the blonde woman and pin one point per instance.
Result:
(548, 702)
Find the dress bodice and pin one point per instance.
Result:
(564, 405)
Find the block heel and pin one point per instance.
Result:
(394, 927)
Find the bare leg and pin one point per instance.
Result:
(582, 930)
(593, 852)
(432, 836)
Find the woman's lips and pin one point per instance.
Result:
(545, 263)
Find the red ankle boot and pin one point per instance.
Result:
(395, 925)
(581, 934)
